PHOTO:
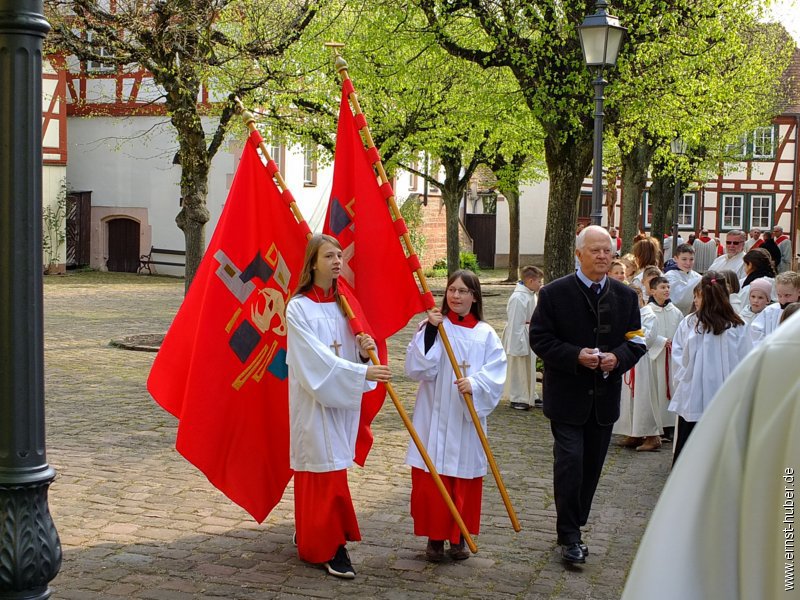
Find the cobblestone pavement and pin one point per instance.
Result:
(138, 521)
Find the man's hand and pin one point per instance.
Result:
(589, 358)
(608, 362)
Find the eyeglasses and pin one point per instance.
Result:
(458, 291)
(732, 243)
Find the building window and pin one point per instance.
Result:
(309, 165)
(413, 181)
(686, 211)
(94, 66)
(764, 142)
(761, 212)
(732, 211)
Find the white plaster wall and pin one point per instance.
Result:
(532, 216)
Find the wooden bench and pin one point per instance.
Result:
(146, 260)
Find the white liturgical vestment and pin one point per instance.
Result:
(325, 389)
(441, 418)
(726, 523)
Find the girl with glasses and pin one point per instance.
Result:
(442, 419)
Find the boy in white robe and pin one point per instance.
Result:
(442, 419)
(668, 317)
(327, 378)
(683, 280)
(521, 381)
(787, 288)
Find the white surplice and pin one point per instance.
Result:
(668, 318)
(721, 518)
(441, 417)
(701, 362)
(325, 389)
(765, 323)
(734, 263)
(704, 254)
(681, 288)
(636, 415)
(521, 381)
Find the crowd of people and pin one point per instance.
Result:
(630, 345)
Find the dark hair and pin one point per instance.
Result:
(716, 313)
(656, 281)
(731, 280)
(684, 249)
(647, 252)
(787, 312)
(473, 284)
(761, 261)
(306, 279)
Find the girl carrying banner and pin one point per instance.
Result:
(327, 376)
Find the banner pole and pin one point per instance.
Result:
(341, 67)
(249, 121)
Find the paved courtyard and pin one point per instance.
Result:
(138, 521)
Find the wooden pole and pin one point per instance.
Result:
(250, 122)
(341, 67)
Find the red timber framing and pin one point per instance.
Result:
(54, 114)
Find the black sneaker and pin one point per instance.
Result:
(520, 406)
(340, 565)
(537, 403)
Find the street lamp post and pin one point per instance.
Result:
(678, 147)
(601, 38)
(31, 551)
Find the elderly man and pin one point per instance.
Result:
(754, 241)
(785, 246)
(733, 259)
(587, 331)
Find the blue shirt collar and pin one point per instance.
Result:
(588, 282)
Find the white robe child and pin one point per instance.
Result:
(701, 362)
(681, 288)
(668, 318)
(441, 417)
(521, 381)
(326, 382)
(636, 416)
(765, 323)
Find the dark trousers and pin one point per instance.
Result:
(681, 436)
(579, 452)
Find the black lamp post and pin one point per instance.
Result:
(29, 546)
(601, 38)
(678, 147)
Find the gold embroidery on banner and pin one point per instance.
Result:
(258, 367)
(274, 305)
(231, 323)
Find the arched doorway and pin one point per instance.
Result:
(123, 245)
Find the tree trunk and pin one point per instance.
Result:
(661, 200)
(512, 197)
(635, 165)
(453, 189)
(195, 167)
(568, 162)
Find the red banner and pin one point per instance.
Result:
(222, 367)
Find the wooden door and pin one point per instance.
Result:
(482, 228)
(123, 245)
(79, 216)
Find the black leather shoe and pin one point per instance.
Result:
(572, 553)
(584, 548)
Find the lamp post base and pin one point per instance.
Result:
(30, 550)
